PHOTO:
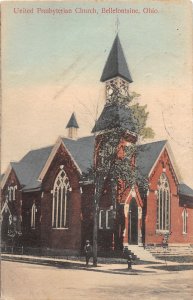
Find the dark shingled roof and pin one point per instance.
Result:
(147, 155)
(116, 116)
(185, 190)
(81, 150)
(29, 167)
(72, 122)
(116, 64)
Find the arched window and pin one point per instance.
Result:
(163, 203)
(14, 192)
(60, 204)
(184, 220)
(11, 192)
(33, 216)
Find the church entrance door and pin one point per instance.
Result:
(133, 222)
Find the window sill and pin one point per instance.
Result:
(60, 228)
(159, 231)
(184, 233)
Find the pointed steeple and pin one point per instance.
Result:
(72, 122)
(117, 78)
(116, 64)
(72, 127)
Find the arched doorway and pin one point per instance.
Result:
(133, 222)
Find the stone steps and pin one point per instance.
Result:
(171, 251)
(141, 253)
(155, 254)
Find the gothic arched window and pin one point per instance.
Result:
(163, 203)
(12, 192)
(33, 216)
(60, 204)
(184, 219)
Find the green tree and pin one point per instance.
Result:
(119, 169)
(141, 115)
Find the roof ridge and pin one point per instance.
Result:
(82, 137)
(41, 148)
(36, 149)
(153, 142)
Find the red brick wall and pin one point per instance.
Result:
(61, 238)
(176, 236)
(31, 236)
(12, 181)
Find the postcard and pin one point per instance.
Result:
(96, 150)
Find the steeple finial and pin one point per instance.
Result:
(72, 127)
(117, 23)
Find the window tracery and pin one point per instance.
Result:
(60, 204)
(163, 203)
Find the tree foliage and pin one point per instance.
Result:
(108, 164)
(141, 116)
(111, 166)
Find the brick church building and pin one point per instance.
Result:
(47, 197)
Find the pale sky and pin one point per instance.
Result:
(51, 66)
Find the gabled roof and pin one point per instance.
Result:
(147, 155)
(29, 167)
(185, 190)
(82, 151)
(116, 116)
(72, 122)
(116, 64)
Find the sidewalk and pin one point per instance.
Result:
(108, 267)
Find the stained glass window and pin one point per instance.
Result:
(163, 203)
(60, 206)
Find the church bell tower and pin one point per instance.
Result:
(116, 76)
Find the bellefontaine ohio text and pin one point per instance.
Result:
(80, 10)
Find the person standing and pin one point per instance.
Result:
(88, 252)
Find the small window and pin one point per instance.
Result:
(102, 219)
(11, 192)
(14, 192)
(106, 219)
(33, 216)
(184, 221)
(101, 157)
